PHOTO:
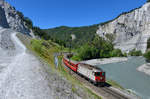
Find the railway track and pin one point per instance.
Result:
(105, 92)
(114, 94)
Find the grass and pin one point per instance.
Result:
(46, 50)
(115, 84)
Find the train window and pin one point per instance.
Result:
(97, 74)
(103, 74)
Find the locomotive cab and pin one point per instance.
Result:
(100, 77)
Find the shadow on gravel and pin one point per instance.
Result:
(105, 85)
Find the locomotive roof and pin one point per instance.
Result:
(91, 67)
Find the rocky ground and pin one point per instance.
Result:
(145, 68)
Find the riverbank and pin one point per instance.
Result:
(145, 69)
(105, 61)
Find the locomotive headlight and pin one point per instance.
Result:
(101, 78)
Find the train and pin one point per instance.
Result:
(92, 73)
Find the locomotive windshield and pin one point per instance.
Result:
(97, 74)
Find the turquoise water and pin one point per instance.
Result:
(126, 75)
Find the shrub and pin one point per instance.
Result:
(117, 53)
(147, 56)
(87, 52)
(148, 43)
(135, 53)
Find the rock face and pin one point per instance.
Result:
(10, 18)
(3, 20)
(131, 29)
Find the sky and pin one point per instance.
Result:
(53, 13)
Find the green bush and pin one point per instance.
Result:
(87, 52)
(135, 53)
(117, 53)
(147, 56)
(125, 54)
(28, 22)
(77, 58)
(148, 43)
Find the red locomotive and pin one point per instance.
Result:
(94, 74)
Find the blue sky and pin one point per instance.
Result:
(54, 13)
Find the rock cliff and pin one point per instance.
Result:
(131, 29)
(10, 18)
(3, 20)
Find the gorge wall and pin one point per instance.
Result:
(131, 29)
(3, 20)
(10, 18)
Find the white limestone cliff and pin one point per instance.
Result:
(131, 29)
(10, 18)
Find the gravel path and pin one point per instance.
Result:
(21, 75)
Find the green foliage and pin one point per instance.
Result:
(104, 47)
(20, 14)
(37, 31)
(148, 43)
(77, 58)
(148, 0)
(87, 52)
(98, 48)
(135, 53)
(117, 53)
(125, 54)
(37, 46)
(28, 22)
(147, 56)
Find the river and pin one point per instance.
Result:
(126, 75)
